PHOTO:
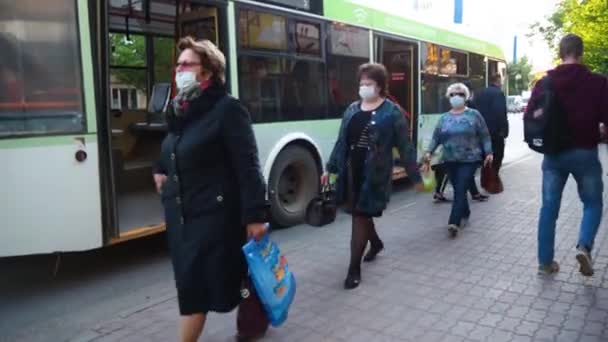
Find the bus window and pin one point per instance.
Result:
(477, 66)
(128, 71)
(304, 94)
(262, 31)
(502, 69)
(433, 85)
(307, 38)
(287, 83)
(492, 68)
(135, 5)
(164, 55)
(40, 71)
(282, 89)
(429, 55)
(454, 63)
(348, 49)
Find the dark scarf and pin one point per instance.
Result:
(193, 102)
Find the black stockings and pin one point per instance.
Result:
(364, 230)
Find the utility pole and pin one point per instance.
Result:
(514, 49)
(458, 4)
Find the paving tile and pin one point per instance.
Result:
(482, 286)
(527, 328)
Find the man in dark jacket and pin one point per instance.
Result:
(583, 96)
(492, 104)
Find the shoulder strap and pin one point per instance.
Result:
(547, 83)
(547, 90)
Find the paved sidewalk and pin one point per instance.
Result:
(482, 286)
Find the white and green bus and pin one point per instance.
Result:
(84, 85)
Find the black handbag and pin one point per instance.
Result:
(322, 209)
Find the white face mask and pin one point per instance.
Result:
(185, 79)
(367, 92)
(457, 102)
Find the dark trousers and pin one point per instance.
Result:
(498, 147)
(461, 175)
(441, 176)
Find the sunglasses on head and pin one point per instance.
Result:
(458, 94)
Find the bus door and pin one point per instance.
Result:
(142, 36)
(399, 58)
(49, 179)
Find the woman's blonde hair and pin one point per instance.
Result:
(212, 59)
(458, 88)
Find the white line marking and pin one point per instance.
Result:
(518, 161)
(405, 206)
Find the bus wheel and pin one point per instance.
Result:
(293, 183)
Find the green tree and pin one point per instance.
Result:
(164, 56)
(519, 76)
(128, 53)
(586, 18)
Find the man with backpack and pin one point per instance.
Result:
(562, 122)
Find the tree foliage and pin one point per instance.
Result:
(128, 53)
(522, 68)
(586, 18)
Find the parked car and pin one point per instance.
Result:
(515, 104)
(524, 102)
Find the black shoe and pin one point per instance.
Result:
(439, 198)
(352, 281)
(245, 338)
(480, 197)
(584, 259)
(373, 252)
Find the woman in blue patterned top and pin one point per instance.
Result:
(465, 139)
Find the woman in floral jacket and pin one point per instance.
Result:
(362, 159)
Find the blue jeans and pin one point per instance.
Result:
(461, 175)
(584, 165)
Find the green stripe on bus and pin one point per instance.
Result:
(45, 141)
(352, 13)
(87, 65)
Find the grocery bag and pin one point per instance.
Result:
(429, 181)
(274, 283)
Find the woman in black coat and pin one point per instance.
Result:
(211, 187)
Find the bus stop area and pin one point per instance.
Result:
(482, 286)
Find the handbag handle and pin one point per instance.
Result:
(327, 188)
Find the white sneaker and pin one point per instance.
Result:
(453, 230)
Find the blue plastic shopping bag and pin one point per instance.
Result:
(275, 285)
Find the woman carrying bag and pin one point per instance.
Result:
(464, 136)
(211, 187)
(362, 159)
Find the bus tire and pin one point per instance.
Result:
(292, 184)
